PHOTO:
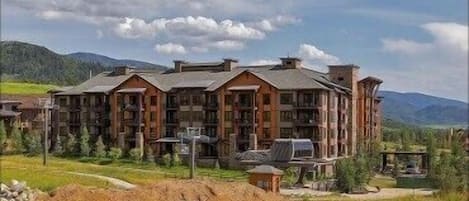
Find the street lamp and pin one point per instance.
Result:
(46, 106)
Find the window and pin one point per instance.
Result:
(266, 99)
(184, 100)
(63, 116)
(152, 132)
(62, 101)
(228, 115)
(266, 116)
(286, 99)
(340, 78)
(153, 100)
(266, 132)
(228, 131)
(196, 100)
(152, 116)
(228, 99)
(133, 100)
(285, 116)
(197, 116)
(286, 132)
(184, 115)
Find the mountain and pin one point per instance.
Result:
(32, 63)
(421, 109)
(108, 61)
(27, 62)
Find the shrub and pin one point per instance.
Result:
(176, 160)
(166, 160)
(16, 140)
(84, 138)
(100, 148)
(345, 175)
(3, 136)
(135, 155)
(58, 149)
(149, 157)
(32, 144)
(290, 175)
(70, 145)
(115, 153)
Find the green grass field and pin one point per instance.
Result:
(24, 88)
(55, 174)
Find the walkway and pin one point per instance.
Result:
(117, 182)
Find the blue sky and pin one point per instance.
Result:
(414, 46)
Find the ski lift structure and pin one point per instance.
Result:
(286, 153)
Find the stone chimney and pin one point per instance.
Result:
(229, 64)
(178, 65)
(291, 62)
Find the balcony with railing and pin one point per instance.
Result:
(172, 121)
(306, 106)
(171, 106)
(306, 122)
(210, 121)
(132, 107)
(211, 106)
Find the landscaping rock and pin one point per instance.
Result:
(17, 191)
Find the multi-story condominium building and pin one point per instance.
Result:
(238, 107)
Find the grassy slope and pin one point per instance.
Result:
(31, 170)
(24, 88)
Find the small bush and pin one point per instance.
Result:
(84, 138)
(149, 157)
(104, 161)
(58, 149)
(115, 153)
(32, 144)
(70, 145)
(176, 160)
(135, 155)
(166, 160)
(100, 148)
(16, 140)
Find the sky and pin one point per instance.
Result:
(413, 45)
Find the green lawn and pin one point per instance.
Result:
(24, 88)
(30, 169)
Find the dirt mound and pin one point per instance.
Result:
(169, 190)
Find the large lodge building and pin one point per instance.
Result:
(239, 107)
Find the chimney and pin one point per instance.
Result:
(291, 62)
(121, 70)
(229, 64)
(178, 65)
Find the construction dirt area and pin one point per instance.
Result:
(168, 190)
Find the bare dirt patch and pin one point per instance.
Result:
(168, 190)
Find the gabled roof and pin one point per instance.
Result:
(275, 75)
(265, 169)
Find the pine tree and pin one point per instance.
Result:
(100, 148)
(70, 145)
(16, 139)
(32, 144)
(3, 137)
(58, 149)
(431, 154)
(84, 138)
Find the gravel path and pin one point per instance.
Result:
(117, 182)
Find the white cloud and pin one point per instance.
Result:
(99, 34)
(439, 66)
(404, 46)
(316, 56)
(170, 48)
(264, 62)
(274, 23)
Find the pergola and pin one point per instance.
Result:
(422, 154)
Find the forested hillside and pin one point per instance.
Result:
(31, 63)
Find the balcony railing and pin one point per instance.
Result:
(305, 105)
(306, 122)
(172, 121)
(211, 121)
(211, 106)
(171, 105)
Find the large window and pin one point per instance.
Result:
(266, 99)
(266, 116)
(228, 115)
(196, 100)
(228, 99)
(286, 132)
(286, 99)
(228, 131)
(184, 100)
(63, 101)
(153, 100)
(285, 116)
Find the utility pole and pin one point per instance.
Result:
(44, 161)
(192, 174)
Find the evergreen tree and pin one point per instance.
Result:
(58, 149)
(431, 154)
(70, 146)
(149, 157)
(362, 172)
(16, 138)
(32, 144)
(3, 137)
(100, 148)
(84, 138)
(345, 175)
(457, 159)
(396, 171)
(447, 178)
